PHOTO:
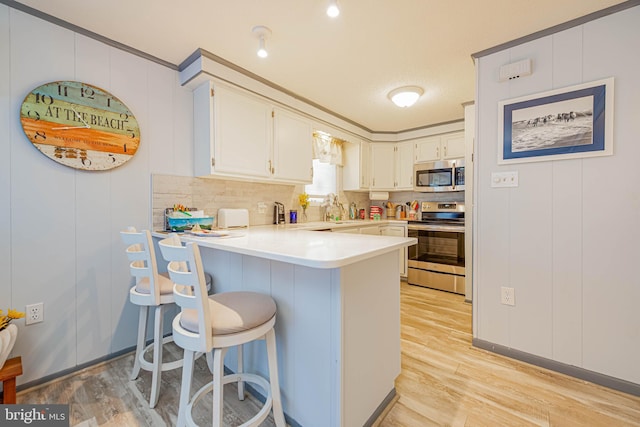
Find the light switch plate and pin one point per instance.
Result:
(504, 179)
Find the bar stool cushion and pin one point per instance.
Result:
(233, 312)
(166, 285)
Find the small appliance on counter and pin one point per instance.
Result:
(233, 218)
(278, 213)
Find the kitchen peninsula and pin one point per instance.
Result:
(338, 321)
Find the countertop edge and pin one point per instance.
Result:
(308, 260)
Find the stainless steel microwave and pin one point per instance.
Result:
(444, 175)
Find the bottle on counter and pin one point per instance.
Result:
(353, 210)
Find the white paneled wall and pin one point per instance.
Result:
(567, 238)
(5, 162)
(59, 226)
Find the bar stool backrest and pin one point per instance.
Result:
(142, 257)
(190, 289)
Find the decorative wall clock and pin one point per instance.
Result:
(80, 125)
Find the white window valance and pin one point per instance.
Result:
(327, 149)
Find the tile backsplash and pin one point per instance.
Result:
(211, 194)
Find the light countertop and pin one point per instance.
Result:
(299, 244)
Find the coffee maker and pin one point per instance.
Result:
(278, 213)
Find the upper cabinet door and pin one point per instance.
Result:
(404, 166)
(293, 137)
(355, 173)
(453, 145)
(439, 147)
(243, 133)
(427, 149)
(382, 166)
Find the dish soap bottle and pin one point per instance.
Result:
(352, 210)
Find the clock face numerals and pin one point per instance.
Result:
(80, 125)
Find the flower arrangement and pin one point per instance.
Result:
(6, 319)
(303, 199)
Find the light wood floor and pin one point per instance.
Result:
(447, 382)
(444, 382)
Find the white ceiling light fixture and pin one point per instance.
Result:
(262, 33)
(405, 96)
(333, 10)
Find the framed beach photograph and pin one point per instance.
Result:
(567, 123)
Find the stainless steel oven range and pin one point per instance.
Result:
(437, 261)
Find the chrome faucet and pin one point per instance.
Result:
(326, 204)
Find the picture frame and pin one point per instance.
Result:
(567, 123)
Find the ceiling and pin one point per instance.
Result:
(347, 64)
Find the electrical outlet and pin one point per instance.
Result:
(507, 296)
(262, 207)
(34, 313)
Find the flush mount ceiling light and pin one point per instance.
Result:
(405, 96)
(262, 33)
(333, 10)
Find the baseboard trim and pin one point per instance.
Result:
(573, 371)
(73, 370)
(381, 408)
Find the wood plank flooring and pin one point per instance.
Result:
(447, 382)
(444, 382)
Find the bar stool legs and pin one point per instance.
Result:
(142, 333)
(156, 366)
(274, 381)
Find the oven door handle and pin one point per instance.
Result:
(425, 227)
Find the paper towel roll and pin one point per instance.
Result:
(379, 195)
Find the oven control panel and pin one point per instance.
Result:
(442, 207)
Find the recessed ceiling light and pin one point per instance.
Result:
(333, 10)
(405, 96)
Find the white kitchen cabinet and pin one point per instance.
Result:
(356, 170)
(233, 132)
(392, 166)
(367, 229)
(383, 166)
(292, 140)
(453, 145)
(440, 147)
(241, 135)
(404, 166)
(400, 231)
(371, 229)
(354, 230)
(427, 149)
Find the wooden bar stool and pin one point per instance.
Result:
(213, 324)
(150, 290)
